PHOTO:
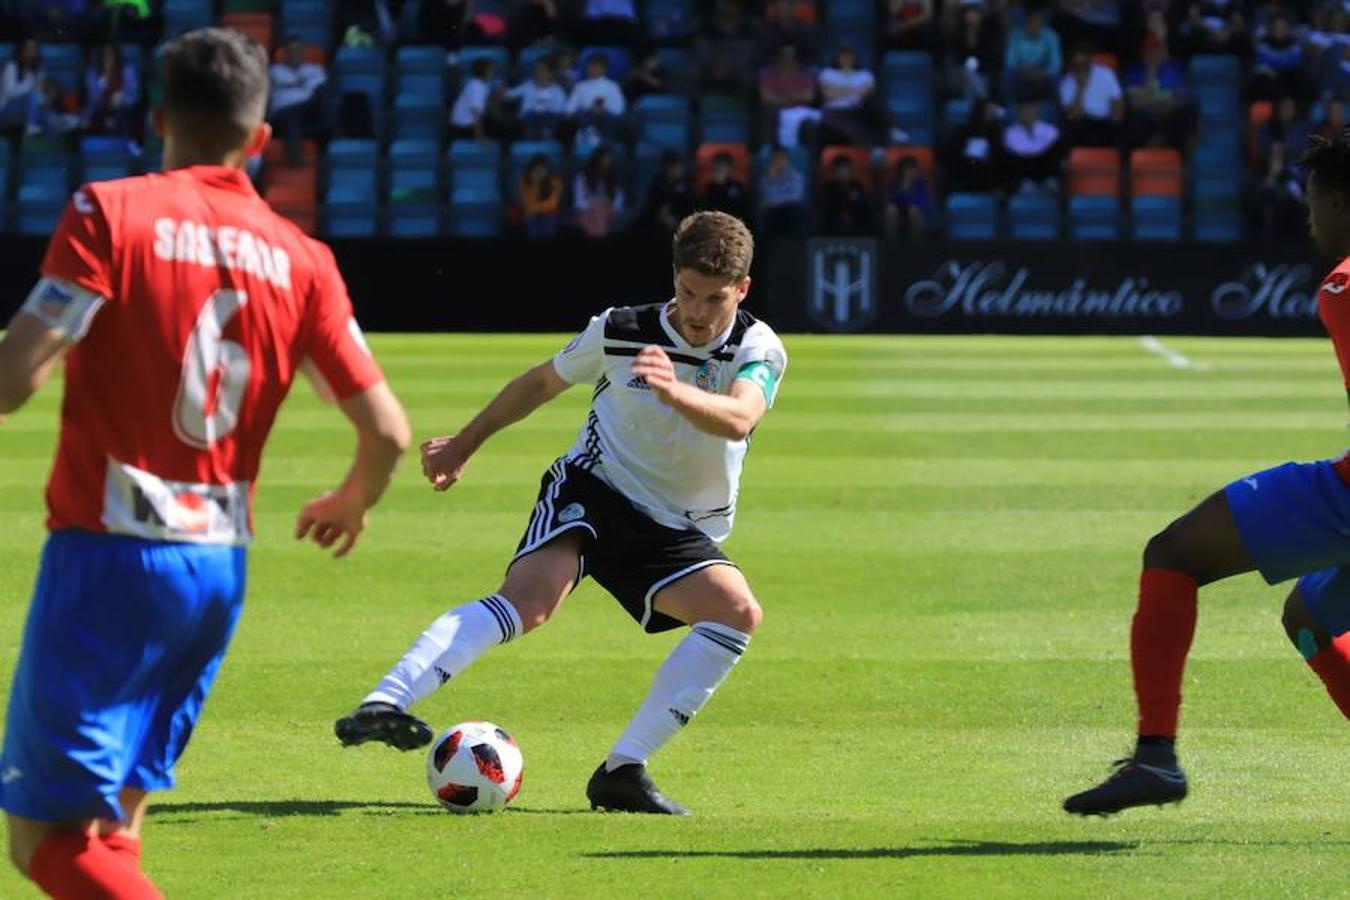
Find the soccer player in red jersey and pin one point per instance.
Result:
(1292, 521)
(183, 308)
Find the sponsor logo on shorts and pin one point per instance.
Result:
(1252, 483)
(13, 773)
(443, 675)
(571, 513)
(679, 716)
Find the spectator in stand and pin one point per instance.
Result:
(1334, 72)
(722, 74)
(51, 119)
(1288, 127)
(1276, 205)
(974, 51)
(973, 154)
(112, 91)
(1160, 111)
(724, 191)
(597, 196)
(647, 77)
(1279, 69)
(669, 197)
(1093, 103)
(534, 22)
(1333, 119)
(20, 90)
(1033, 59)
(1214, 26)
(542, 103)
(908, 24)
(362, 21)
(782, 196)
(298, 106)
(1093, 22)
(852, 114)
(909, 202)
(1031, 152)
(540, 197)
(846, 205)
(789, 22)
(596, 104)
(787, 96)
(730, 21)
(566, 68)
(477, 113)
(609, 22)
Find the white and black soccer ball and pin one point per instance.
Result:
(475, 767)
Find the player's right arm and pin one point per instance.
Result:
(28, 353)
(444, 458)
(339, 355)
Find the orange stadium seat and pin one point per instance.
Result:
(922, 155)
(1155, 173)
(258, 26)
(1094, 172)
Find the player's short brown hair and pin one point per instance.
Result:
(215, 85)
(714, 244)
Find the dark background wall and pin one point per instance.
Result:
(824, 284)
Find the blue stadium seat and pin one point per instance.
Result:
(680, 71)
(1033, 217)
(420, 116)
(6, 53)
(354, 151)
(307, 20)
(854, 11)
(474, 154)
(351, 202)
(414, 196)
(724, 121)
(1094, 218)
(64, 64)
(645, 165)
(972, 217)
(415, 152)
(185, 15)
(855, 35)
(361, 70)
(664, 120)
(667, 135)
(1211, 68)
(106, 158)
(1218, 223)
(475, 216)
(1156, 219)
(530, 55)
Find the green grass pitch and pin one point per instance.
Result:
(945, 535)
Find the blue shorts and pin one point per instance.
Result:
(123, 640)
(1295, 522)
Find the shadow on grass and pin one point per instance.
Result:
(954, 848)
(278, 809)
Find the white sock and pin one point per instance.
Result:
(446, 648)
(683, 684)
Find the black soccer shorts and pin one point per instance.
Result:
(623, 549)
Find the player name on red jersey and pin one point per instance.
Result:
(233, 248)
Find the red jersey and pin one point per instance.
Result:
(207, 303)
(1333, 307)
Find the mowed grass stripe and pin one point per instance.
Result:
(945, 534)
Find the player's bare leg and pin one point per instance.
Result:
(719, 605)
(1201, 547)
(95, 857)
(1326, 654)
(534, 588)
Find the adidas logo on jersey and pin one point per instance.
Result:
(638, 383)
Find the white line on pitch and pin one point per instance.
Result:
(1175, 359)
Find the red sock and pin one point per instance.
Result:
(1160, 638)
(72, 865)
(127, 848)
(1332, 665)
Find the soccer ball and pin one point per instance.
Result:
(475, 767)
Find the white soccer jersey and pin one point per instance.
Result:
(680, 476)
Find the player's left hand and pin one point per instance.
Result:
(654, 367)
(333, 519)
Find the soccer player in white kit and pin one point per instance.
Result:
(640, 503)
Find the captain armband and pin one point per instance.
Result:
(64, 307)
